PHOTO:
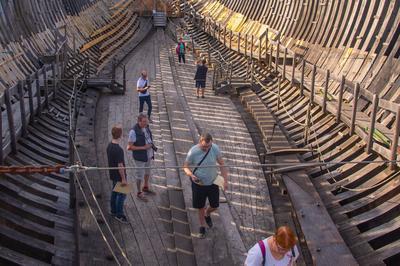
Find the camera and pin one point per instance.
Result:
(154, 147)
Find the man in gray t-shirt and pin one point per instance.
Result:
(205, 153)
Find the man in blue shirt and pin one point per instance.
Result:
(208, 154)
(143, 86)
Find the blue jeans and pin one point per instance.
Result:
(117, 202)
(142, 100)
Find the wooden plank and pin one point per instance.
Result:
(11, 126)
(22, 108)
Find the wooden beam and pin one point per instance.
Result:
(39, 104)
(277, 56)
(270, 57)
(327, 76)
(303, 66)
(278, 99)
(340, 100)
(266, 46)
(354, 111)
(238, 43)
(1, 136)
(245, 45)
(252, 46)
(284, 63)
(11, 125)
(375, 102)
(395, 140)
(230, 40)
(225, 36)
(22, 108)
(313, 73)
(46, 89)
(30, 95)
(293, 71)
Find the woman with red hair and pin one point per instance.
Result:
(278, 250)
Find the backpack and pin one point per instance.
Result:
(264, 251)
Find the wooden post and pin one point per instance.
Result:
(314, 72)
(238, 43)
(395, 140)
(354, 111)
(266, 46)
(22, 108)
(113, 75)
(124, 81)
(303, 66)
(327, 77)
(293, 70)
(277, 56)
(340, 100)
(30, 94)
(259, 48)
(252, 72)
(55, 81)
(270, 57)
(252, 46)
(278, 100)
(245, 45)
(10, 116)
(55, 41)
(39, 103)
(284, 63)
(74, 43)
(375, 102)
(46, 88)
(225, 36)
(230, 40)
(307, 127)
(1, 134)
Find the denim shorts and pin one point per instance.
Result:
(200, 84)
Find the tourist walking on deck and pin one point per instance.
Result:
(279, 249)
(181, 50)
(143, 86)
(141, 144)
(203, 187)
(115, 155)
(200, 78)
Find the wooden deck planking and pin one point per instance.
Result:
(248, 192)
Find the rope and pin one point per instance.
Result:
(280, 100)
(71, 112)
(99, 208)
(95, 220)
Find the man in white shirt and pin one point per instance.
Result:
(143, 86)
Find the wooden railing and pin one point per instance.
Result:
(267, 48)
(27, 99)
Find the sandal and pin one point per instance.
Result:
(142, 197)
(148, 191)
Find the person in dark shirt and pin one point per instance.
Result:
(115, 156)
(200, 78)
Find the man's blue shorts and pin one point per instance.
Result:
(200, 84)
